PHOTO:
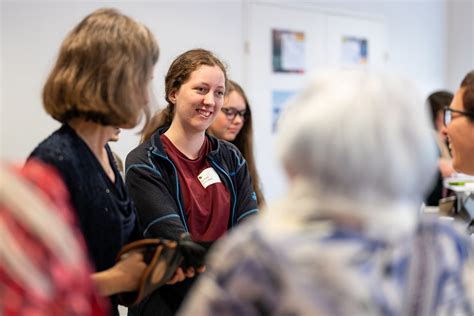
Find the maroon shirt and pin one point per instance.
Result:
(206, 198)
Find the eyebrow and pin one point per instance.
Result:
(207, 84)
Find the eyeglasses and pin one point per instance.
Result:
(448, 115)
(231, 113)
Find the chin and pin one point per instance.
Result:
(466, 168)
(229, 138)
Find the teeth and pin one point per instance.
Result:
(204, 113)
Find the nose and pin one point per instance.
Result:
(209, 99)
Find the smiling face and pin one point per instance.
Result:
(199, 100)
(460, 133)
(223, 127)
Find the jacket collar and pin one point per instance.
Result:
(156, 146)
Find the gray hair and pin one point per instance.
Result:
(359, 136)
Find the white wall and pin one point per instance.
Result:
(31, 31)
(460, 41)
(416, 33)
(415, 46)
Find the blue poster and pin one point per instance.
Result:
(279, 100)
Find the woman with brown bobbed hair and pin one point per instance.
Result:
(100, 82)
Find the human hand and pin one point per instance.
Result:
(445, 167)
(124, 276)
(129, 271)
(182, 274)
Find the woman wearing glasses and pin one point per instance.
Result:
(459, 126)
(234, 124)
(436, 102)
(183, 180)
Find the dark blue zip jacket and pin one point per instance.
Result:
(153, 184)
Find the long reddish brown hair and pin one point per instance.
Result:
(178, 73)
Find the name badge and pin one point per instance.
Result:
(208, 176)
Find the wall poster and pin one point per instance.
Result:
(288, 51)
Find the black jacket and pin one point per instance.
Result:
(154, 186)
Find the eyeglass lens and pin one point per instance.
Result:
(447, 117)
(232, 113)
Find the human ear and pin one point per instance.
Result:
(172, 97)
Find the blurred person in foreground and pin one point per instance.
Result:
(43, 271)
(348, 238)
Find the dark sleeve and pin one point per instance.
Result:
(246, 196)
(46, 156)
(54, 160)
(65, 168)
(157, 209)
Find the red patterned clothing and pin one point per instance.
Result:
(43, 266)
(206, 199)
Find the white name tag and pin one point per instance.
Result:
(208, 176)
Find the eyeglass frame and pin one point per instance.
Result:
(231, 113)
(447, 118)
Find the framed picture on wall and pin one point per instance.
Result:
(279, 99)
(355, 41)
(288, 51)
(354, 50)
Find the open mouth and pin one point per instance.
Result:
(204, 113)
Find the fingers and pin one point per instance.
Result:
(181, 274)
(189, 272)
(177, 277)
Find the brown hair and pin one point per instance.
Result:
(102, 71)
(437, 101)
(244, 141)
(178, 73)
(468, 96)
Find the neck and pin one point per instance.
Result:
(189, 143)
(93, 134)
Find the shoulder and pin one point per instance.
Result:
(139, 154)
(450, 238)
(149, 148)
(225, 151)
(225, 146)
(142, 161)
(244, 242)
(60, 148)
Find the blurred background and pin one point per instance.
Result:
(270, 47)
